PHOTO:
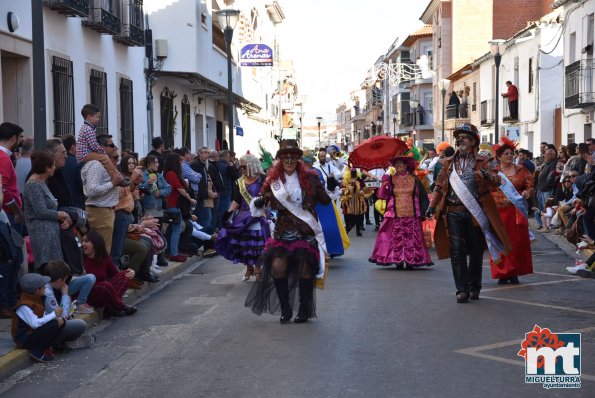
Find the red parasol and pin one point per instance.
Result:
(376, 152)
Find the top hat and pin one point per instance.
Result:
(470, 130)
(289, 146)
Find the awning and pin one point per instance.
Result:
(208, 88)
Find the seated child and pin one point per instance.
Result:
(32, 329)
(87, 147)
(57, 296)
(548, 214)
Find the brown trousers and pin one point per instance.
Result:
(101, 220)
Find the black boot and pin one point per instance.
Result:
(306, 287)
(282, 287)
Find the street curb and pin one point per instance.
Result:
(558, 240)
(18, 359)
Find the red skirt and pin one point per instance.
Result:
(518, 261)
(109, 293)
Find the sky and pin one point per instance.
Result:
(333, 43)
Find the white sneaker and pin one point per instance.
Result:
(156, 269)
(582, 244)
(573, 270)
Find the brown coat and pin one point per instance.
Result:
(287, 221)
(484, 184)
(36, 303)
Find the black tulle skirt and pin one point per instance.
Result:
(302, 257)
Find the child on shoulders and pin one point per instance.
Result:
(87, 147)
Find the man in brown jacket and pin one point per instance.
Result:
(465, 213)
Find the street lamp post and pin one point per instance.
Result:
(395, 125)
(443, 85)
(413, 105)
(319, 120)
(497, 48)
(228, 18)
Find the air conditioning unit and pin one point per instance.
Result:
(161, 48)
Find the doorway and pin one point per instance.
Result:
(17, 90)
(199, 131)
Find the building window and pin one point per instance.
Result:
(474, 106)
(530, 86)
(98, 85)
(168, 119)
(126, 115)
(186, 141)
(62, 78)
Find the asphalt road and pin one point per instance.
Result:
(379, 333)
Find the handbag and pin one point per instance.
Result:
(428, 242)
(380, 206)
(173, 217)
(574, 233)
(211, 195)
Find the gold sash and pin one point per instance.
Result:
(243, 191)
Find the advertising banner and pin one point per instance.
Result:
(256, 55)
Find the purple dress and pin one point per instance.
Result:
(400, 237)
(242, 238)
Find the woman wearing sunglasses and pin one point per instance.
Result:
(295, 255)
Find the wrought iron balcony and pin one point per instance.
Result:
(407, 119)
(132, 24)
(506, 116)
(460, 111)
(72, 8)
(579, 84)
(487, 112)
(104, 16)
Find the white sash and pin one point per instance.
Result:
(495, 247)
(512, 194)
(281, 194)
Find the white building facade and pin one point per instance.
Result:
(579, 91)
(532, 61)
(190, 86)
(92, 54)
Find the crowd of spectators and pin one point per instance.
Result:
(85, 221)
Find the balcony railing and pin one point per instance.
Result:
(506, 114)
(132, 33)
(460, 111)
(487, 112)
(104, 16)
(407, 119)
(72, 8)
(579, 84)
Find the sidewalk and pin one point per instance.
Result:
(558, 240)
(13, 360)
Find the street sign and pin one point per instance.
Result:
(256, 55)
